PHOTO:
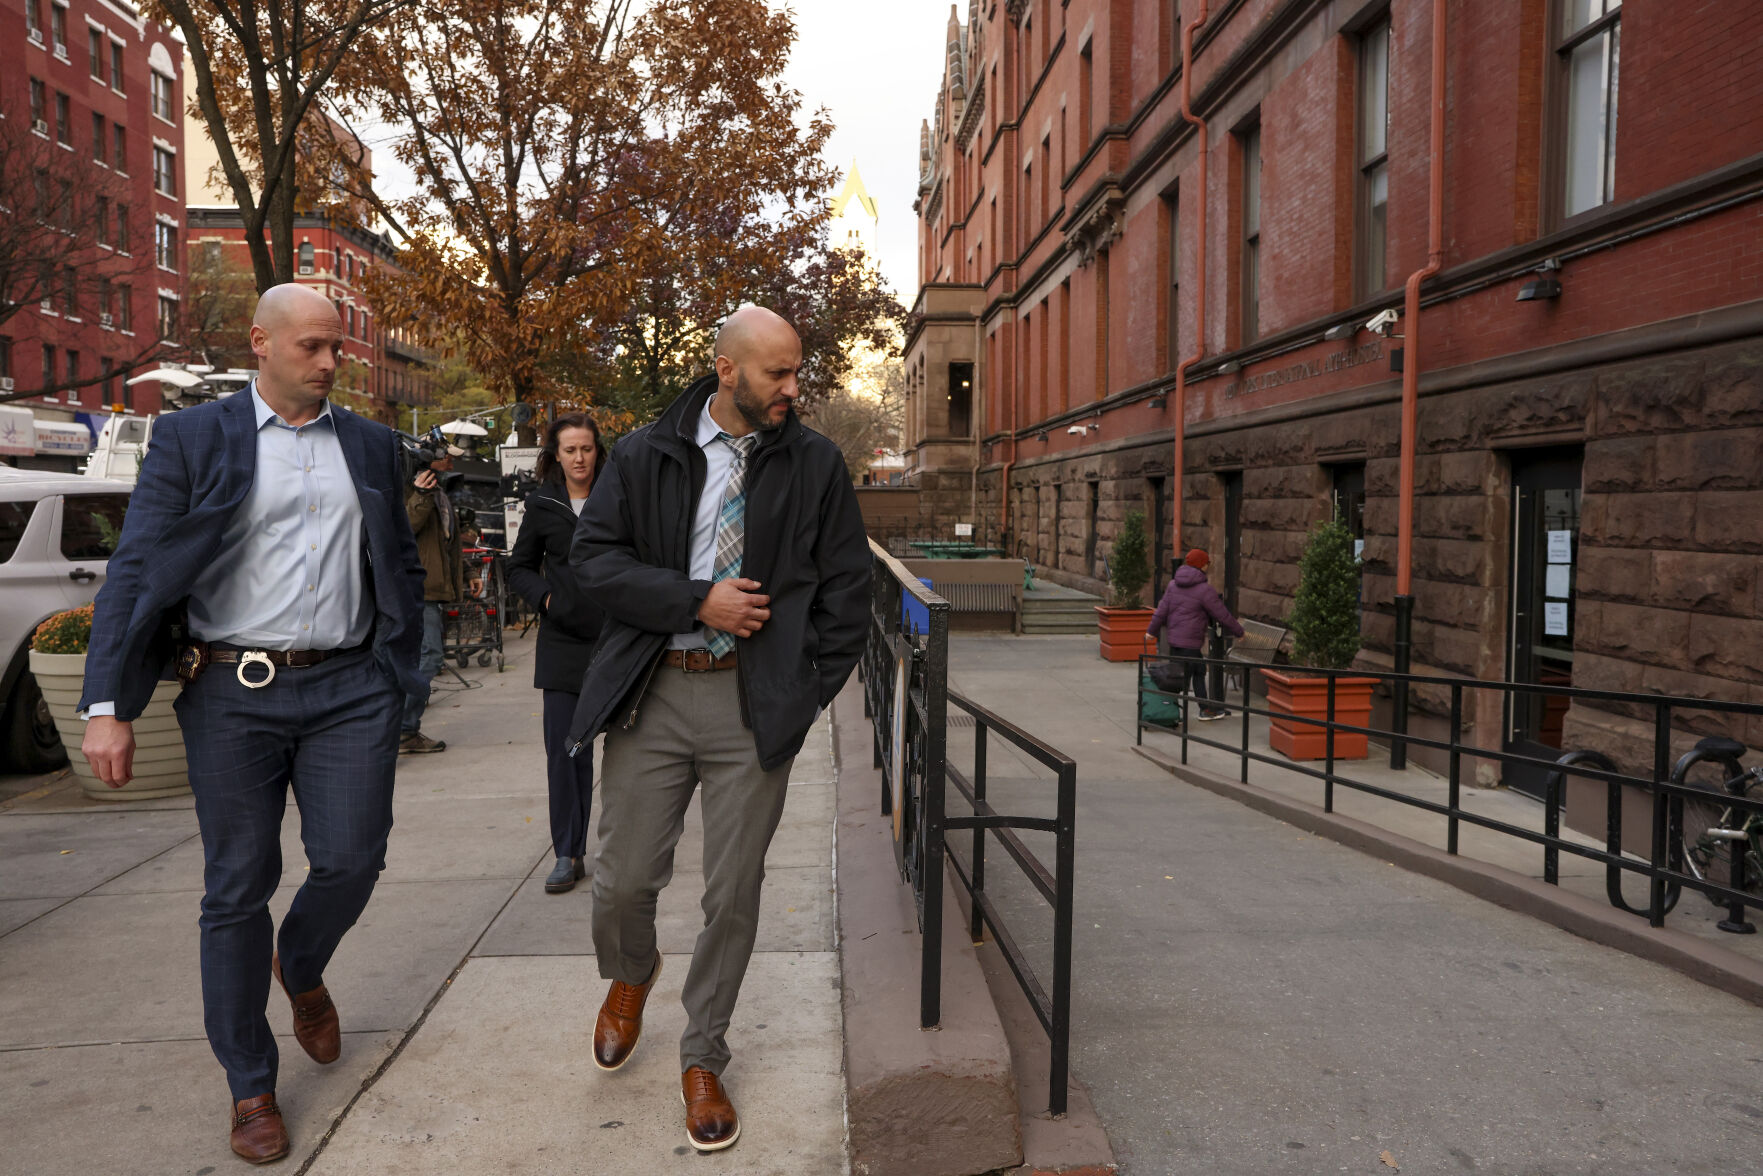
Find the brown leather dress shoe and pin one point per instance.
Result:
(258, 1133)
(315, 1019)
(711, 1122)
(620, 1022)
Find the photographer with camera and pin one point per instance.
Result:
(438, 541)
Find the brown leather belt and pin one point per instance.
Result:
(697, 661)
(292, 658)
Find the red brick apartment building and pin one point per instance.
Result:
(91, 133)
(1586, 353)
(332, 254)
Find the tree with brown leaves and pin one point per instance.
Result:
(587, 169)
(261, 71)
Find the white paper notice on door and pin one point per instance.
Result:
(1555, 582)
(1554, 619)
(1560, 547)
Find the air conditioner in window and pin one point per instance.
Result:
(46, 304)
(36, 36)
(39, 126)
(5, 383)
(104, 320)
(306, 269)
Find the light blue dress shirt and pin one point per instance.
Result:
(719, 467)
(290, 573)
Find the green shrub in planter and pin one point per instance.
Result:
(1129, 568)
(65, 632)
(1325, 612)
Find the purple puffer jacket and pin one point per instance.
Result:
(1187, 604)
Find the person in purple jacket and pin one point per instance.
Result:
(1187, 605)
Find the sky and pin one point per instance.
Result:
(876, 69)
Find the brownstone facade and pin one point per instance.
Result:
(1623, 409)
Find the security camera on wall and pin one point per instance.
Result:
(1384, 322)
(1077, 430)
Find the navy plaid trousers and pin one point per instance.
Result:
(330, 732)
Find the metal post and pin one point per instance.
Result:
(1215, 673)
(1244, 755)
(1065, 853)
(1557, 784)
(1456, 773)
(1328, 768)
(936, 700)
(976, 924)
(1735, 920)
(1661, 773)
(1404, 651)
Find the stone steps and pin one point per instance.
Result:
(1051, 608)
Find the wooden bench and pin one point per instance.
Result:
(982, 593)
(1258, 646)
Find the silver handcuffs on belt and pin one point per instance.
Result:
(256, 657)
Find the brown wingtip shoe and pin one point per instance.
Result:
(258, 1133)
(315, 1019)
(620, 1022)
(711, 1122)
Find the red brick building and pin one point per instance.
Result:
(1587, 495)
(333, 254)
(91, 134)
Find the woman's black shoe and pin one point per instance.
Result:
(564, 874)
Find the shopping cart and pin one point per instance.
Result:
(473, 625)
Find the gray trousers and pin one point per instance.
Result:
(688, 732)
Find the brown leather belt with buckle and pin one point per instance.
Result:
(697, 661)
(294, 659)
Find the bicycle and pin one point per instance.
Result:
(1714, 832)
(1712, 840)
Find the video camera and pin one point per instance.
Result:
(516, 486)
(416, 454)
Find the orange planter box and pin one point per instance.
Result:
(1123, 633)
(1306, 696)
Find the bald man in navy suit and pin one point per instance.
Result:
(267, 551)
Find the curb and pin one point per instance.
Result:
(918, 1103)
(1585, 917)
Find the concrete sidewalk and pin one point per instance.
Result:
(467, 994)
(1249, 998)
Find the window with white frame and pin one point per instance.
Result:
(116, 66)
(1371, 257)
(95, 52)
(165, 172)
(1588, 45)
(33, 20)
(165, 245)
(161, 86)
(168, 316)
(58, 26)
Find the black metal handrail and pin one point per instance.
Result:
(906, 696)
(1663, 867)
(1056, 886)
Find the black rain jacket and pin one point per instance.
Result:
(539, 567)
(805, 544)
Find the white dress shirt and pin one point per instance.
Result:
(719, 467)
(290, 571)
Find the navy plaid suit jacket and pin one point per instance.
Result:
(197, 471)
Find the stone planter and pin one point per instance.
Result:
(1307, 696)
(160, 769)
(1123, 632)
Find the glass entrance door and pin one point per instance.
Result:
(1545, 560)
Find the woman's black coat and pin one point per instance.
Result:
(539, 567)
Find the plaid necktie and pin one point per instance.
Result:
(731, 530)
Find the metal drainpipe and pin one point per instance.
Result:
(975, 414)
(1181, 370)
(1404, 645)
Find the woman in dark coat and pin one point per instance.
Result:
(1188, 605)
(538, 569)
